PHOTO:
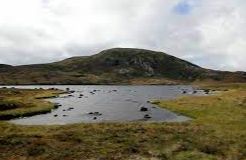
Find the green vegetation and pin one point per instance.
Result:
(16, 103)
(116, 66)
(223, 117)
(217, 132)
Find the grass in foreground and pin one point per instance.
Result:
(16, 103)
(218, 131)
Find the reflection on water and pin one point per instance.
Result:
(108, 103)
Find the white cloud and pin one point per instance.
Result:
(209, 33)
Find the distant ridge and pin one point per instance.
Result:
(4, 65)
(116, 66)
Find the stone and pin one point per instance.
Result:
(146, 116)
(143, 109)
(71, 108)
(95, 113)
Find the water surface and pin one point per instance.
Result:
(113, 104)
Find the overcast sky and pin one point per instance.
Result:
(210, 33)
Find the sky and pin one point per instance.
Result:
(209, 33)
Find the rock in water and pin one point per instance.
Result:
(146, 116)
(143, 109)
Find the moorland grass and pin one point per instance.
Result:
(16, 103)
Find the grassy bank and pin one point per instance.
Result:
(217, 132)
(16, 103)
(223, 114)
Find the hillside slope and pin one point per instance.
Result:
(116, 66)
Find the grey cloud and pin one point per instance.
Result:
(209, 33)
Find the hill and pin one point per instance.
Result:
(116, 66)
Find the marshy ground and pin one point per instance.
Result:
(16, 103)
(217, 131)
